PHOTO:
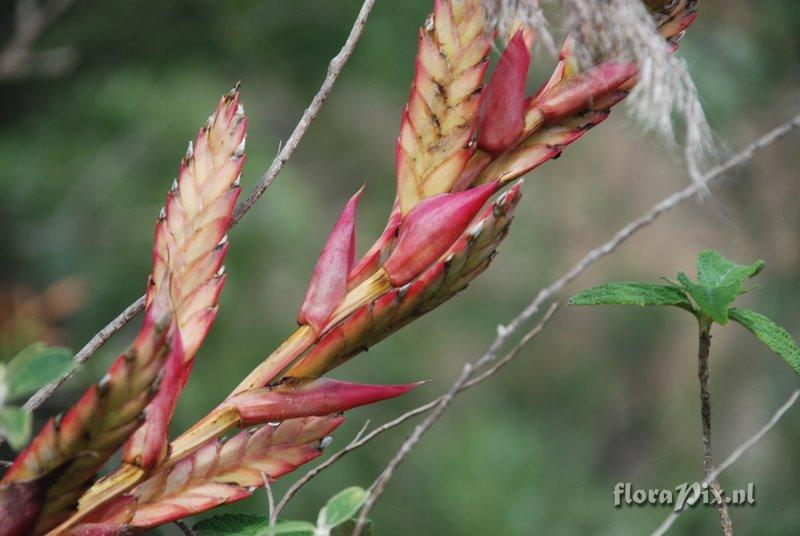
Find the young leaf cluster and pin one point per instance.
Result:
(710, 298)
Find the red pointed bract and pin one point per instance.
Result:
(430, 228)
(328, 284)
(580, 91)
(292, 399)
(503, 105)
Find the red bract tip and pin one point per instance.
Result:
(430, 228)
(580, 91)
(328, 284)
(503, 104)
(292, 399)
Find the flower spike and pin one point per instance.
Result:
(439, 121)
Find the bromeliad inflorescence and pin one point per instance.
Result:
(461, 141)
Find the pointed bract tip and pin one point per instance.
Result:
(503, 105)
(328, 284)
(296, 398)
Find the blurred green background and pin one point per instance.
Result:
(603, 395)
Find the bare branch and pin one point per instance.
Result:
(730, 460)
(463, 382)
(408, 445)
(184, 528)
(273, 514)
(334, 69)
(80, 358)
(667, 204)
(360, 439)
(31, 19)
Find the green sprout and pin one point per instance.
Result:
(719, 283)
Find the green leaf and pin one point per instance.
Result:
(719, 282)
(250, 525)
(347, 528)
(15, 424)
(775, 337)
(632, 293)
(341, 507)
(34, 367)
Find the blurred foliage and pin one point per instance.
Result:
(602, 396)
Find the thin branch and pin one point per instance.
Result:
(730, 460)
(294, 488)
(703, 374)
(80, 358)
(273, 514)
(18, 58)
(184, 528)
(360, 439)
(408, 445)
(334, 69)
(667, 204)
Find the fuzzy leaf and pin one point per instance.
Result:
(347, 528)
(34, 367)
(341, 507)
(772, 335)
(632, 293)
(719, 282)
(15, 424)
(250, 525)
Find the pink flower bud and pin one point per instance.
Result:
(328, 284)
(580, 91)
(503, 103)
(430, 228)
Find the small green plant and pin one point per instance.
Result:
(719, 283)
(334, 519)
(32, 368)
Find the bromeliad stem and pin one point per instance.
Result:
(368, 290)
(305, 336)
(104, 490)
(289, 350)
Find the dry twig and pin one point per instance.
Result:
(730, 460)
